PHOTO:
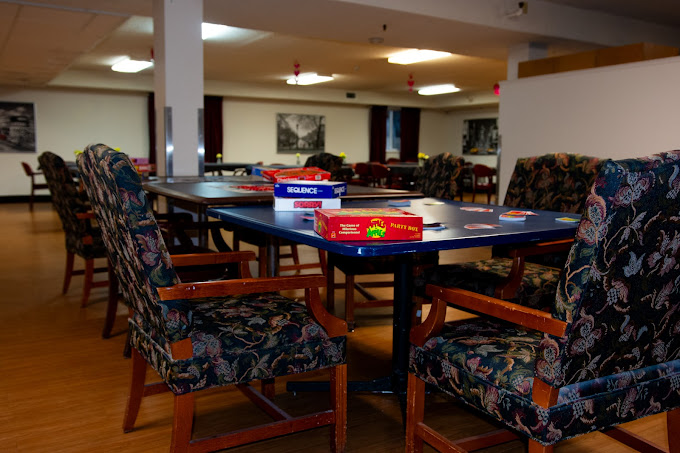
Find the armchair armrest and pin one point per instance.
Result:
(508, 287)
(490, 306)
(215, 258)
(85, 215)
(310, 283)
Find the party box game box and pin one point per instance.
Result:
(291, 174)
(368, 224)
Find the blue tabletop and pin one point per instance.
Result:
(452, 214)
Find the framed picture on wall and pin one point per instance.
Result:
(480, 136)
(297, 133)
(17, 127)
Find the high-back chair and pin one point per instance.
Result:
(83, 238)
(204, 335)
(34, 185)
(528, 273)
(605, 353)
(441, 177)
(331, 163)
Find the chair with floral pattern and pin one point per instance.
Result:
(212, 334)
(83, 238)
(526, 274)
(441, 176)
(606, 353)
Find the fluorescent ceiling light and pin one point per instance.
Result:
(416, 56)
(438, 89)
(209, 31)
(128, 65)
(308, 79)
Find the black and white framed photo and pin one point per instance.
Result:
(298, 133)
(480, 136)
(17, 127)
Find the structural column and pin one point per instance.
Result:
(524, 52)
(178, 87)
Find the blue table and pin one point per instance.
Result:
(291, 225)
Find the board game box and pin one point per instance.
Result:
(305, 204)
(291, 174)
(310, 189)
(368, 224)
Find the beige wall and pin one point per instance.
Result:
(250, 130)
(615, 112)
(68, 120)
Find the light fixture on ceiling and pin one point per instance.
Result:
(416, 56)
(209, 31)
(131, 66)
(308, 79)
(438, 89)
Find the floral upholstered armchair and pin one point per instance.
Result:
(605, 353)
(83, 238)
(526, 274)
(204, 335)
(441, 176)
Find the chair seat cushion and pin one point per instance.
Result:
(536, 290)
(239, 339)
(490, 366)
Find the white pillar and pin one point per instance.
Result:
(178, 86)
(524, 52)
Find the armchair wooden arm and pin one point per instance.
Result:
(543, 394)
(310, 283)
(508, 288)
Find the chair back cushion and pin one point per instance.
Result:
(620, 287)
(329, 162)
(441, 176)
(68, 202)
(136, 248)
(552, 182)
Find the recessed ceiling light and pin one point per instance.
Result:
(416, 56)
(209, 31)
(130, 66)
(438, 89)
(308, 79)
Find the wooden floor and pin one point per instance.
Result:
(63, 388)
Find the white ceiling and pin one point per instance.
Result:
(74, 42)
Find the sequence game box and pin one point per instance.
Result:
(291, 174)
(368, 224)
(310, 189)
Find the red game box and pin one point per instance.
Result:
(367, 224)
(291, 174)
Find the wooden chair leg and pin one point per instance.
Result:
(535, 447)
(69, 271)
(262, 261)
(338, 394)
(322, 261)
(415, 413)
(294, 252)
(87, 284)
(267, 388)
(136, 391)
(182, 423)
(112, 307)
(349, 302)
(673, 423)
